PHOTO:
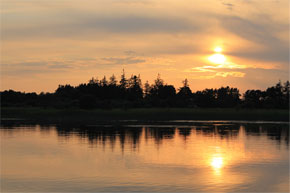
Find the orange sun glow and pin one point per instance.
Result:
(217, 58)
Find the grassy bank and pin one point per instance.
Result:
(73, 115)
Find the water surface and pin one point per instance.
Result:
(174, 156)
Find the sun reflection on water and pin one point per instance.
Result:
(217, 162)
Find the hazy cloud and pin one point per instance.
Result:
(229, 6)
(33, 68)
(87, 26)
(262, 32)
(125, 60)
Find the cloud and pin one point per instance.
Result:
(130, 53)
(263, 32)
(37, 64)
(88, 26)
(217, 67)
(22, 72)
(229, 6)
(221, 74)
(133, 2)
(59, 66)
(141, 24)
(34, 68)
(210, 74)
(67, 65)
(221, 70)
(234, 74)
(123, 60)
(25, 64)
(254, 77)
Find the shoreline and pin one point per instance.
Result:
(142, 114)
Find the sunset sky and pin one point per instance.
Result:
(212, 43)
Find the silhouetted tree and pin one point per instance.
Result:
(130, 93)
(286, 90)
(123, 81)
(185, 91)
(94, 81)
(160, 94)
(273, 96)
(147, 89)
(254, 98)
(113, 80)
(65, 91)
(104, 82)
(205, 98)
(158, 82)
(227, 97)
(155, 89)
(185, 95)
(87, 102)
(135, 90)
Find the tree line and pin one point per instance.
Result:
(131, 93)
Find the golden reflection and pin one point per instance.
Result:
(213, 160)
(217, 162)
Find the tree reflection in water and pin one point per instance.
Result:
(130, 134)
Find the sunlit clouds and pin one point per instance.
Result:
(218, 66)
(212, 44)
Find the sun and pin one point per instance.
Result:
(218, 49)
(217, 59)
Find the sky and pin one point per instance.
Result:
(212, 43)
